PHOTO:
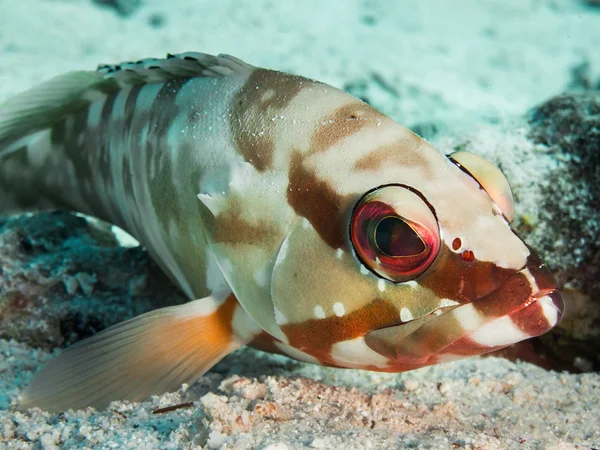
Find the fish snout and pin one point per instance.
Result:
(526, 305)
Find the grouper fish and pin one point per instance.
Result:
(295, 217)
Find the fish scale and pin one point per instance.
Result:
(295, 217)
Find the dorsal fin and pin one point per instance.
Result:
(51, 101)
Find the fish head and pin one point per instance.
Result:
(403, 257)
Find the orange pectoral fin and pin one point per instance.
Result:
(150, 354)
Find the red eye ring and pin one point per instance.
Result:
(394, 232)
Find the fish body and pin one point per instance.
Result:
(296, 217)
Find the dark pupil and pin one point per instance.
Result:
(395, 237)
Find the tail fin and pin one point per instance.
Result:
(150, 354)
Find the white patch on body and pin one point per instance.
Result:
(319, 312)
(339, 309)
(364, 270)
(261, 276)
(550, 311)
(205, 306)
(95, 113)
(405, 314)
(215, 281)
(244, 326)
(118, 109)
(447, 302)
(339, 253)
(502, 331)
(381, 285)
(355, 353)
(296, 354)
(280, 318)
(468, 317)
(531, 280)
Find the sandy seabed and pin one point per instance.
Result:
(432, 65)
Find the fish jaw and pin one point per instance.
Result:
(526, 305)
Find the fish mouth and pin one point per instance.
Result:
(527, 304)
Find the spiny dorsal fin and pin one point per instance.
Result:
(182, 65)
(51, 101)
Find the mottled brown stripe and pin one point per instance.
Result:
(343, 122)
(463, 281)
(85, 147)
(318, 202)
(130, 105)
(259, 101)
(403, 153)
(317, 336)
(231, 228)
(513, 295)
(163, 189)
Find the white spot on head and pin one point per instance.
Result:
(339, 309)
(502, 331)
(405, 314)
(381, 284)
(412, 283)
(319, 312)
(339, 253)
(364, 270)
(306, 224)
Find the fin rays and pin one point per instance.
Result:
(150, 354)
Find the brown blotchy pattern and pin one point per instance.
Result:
(403, 153)
(343, 122)
(513, 295)
(317, 336)
(231, 228)
(376, 159)
(263, 96)
(463, 281)
(315, 200)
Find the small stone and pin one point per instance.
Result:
(411, 385)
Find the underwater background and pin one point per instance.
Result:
(517, 81)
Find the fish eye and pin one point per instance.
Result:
(395, 233)
(490, 178)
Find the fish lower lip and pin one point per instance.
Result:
(507, 315)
